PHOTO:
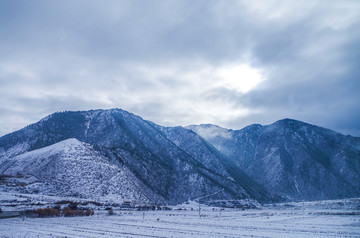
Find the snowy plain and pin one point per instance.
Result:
(337, 218)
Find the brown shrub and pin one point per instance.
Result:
(68, 212)
(51, 212)
(89, 212)
(47, 212)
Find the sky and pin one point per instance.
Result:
(231, 63)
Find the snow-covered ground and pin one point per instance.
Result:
(340, 218)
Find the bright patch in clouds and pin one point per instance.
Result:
(242, 77)
(179, 63)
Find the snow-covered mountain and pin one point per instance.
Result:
(116, 153)
(70, 168)
(209, 157)
(292, 158)
(142, 147)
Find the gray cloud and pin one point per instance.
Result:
(160, 59)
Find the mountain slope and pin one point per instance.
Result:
(207, 155)
(294, 159)
(70, 168)
(173, 164)
(128, 141)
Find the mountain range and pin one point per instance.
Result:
(114, 153)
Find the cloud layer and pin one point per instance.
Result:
(230, 63)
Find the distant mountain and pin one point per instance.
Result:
(209, 157)
(147, 150)
(292, 158)
(114, 153)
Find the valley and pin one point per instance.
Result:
(332, 218)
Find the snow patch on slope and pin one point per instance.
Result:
(13, 151)
(69, 168)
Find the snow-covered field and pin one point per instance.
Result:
(339, 218)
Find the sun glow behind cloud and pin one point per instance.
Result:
(242, 77)
(229, 63)
(203, 90)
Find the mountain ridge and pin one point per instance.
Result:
(134, 143)
(280, 150)
(175, 164)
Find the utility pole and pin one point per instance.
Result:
(201, 194)
(199, 209)
(303, 206)
(208, 195)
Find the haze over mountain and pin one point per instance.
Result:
(116, 153)
(292, 158)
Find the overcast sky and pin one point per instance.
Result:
(230, 63)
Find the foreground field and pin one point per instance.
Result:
(286, 220)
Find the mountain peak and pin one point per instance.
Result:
(289, 122)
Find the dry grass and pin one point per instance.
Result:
(72, 213)
(67, 212)
(47, 212)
